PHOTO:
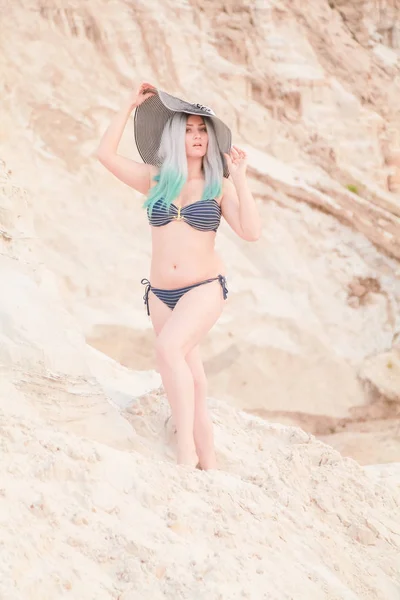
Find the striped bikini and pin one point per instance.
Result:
(204, 215)
(171, 297)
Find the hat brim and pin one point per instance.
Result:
(151, 116)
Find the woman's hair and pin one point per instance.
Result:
(173, 171)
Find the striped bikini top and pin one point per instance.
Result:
(204, 215)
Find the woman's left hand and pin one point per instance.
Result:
(236, 161)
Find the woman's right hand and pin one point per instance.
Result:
(146, 90)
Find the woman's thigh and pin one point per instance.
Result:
(159, 312)
(193, 316)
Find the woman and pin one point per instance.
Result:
(185, 180)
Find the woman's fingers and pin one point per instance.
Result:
(237, 154)
(241, 152)
(234, 154)
(228, 158)
(147, 88)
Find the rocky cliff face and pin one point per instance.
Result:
(311, 90)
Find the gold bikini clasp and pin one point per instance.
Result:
(179, 217)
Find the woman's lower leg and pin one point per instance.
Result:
(179, 386)
(203, 428)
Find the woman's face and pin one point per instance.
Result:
(196, 137)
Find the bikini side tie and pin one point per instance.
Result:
(222, 281)
(147, 283)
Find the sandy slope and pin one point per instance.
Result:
(289, 518)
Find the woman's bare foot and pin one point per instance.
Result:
(207, 462)
(188, 458)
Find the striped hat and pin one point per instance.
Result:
(152, 115)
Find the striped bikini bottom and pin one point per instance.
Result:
(171, 297)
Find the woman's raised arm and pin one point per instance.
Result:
(136, 175)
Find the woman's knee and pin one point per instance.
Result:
(198, 374)
(200, 381)
(195, 363)
(167, 352)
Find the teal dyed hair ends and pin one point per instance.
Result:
(168, 187)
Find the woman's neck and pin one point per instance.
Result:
(195, 168)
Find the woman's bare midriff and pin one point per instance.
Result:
(182, 255)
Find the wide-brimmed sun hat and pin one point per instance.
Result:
(152, 115)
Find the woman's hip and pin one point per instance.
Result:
(171, 296)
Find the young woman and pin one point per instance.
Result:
(188, 156)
